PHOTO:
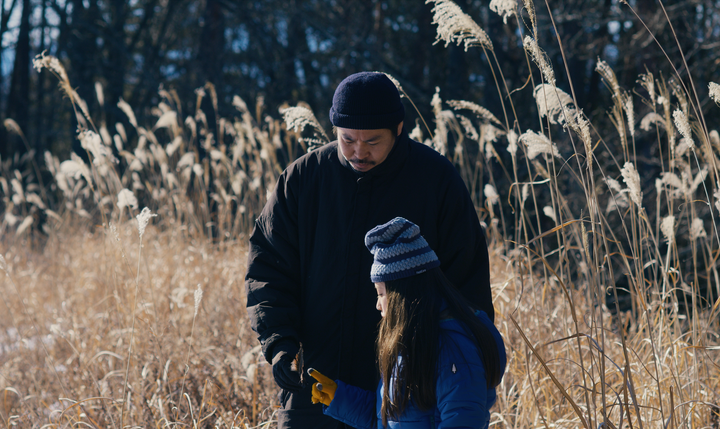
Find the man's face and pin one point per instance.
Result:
(366, 149)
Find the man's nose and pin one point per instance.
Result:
(361, 150)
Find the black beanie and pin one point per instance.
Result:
(366, 101)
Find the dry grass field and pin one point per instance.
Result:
(605, 280)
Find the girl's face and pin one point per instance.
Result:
(382, 298)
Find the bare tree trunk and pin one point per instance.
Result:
(18, 107)
(40, 133)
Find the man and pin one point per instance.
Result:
(307, 280)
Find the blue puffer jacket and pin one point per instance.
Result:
(463, 399)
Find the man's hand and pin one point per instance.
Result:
(283, 354)
(324, 391)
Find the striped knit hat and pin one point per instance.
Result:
(400, 251)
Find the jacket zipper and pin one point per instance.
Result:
(432, 422)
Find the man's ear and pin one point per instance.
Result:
(399, 129)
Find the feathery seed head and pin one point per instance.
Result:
(658, 187)
(537, 144)
(416, 133)
(143, 218)
(470, 130)
(682, 147)
(632, 180)
(25, 224)
(53, 64)
(651, 119)
(395, 82)
(715, 139)
(683, 125)
(714, 92)
(114, 231)
(629, 112)
(647, 81)
(613, 185)
(540, 58)
(504, 8)
(480, 111)
(454, 26)
(699, 178)
(609, 75)
(530, 8)
(582, 127)
(491, 194)
(549, 212)
(99, 93)
(525, 192)
(13, 127)
(678, 92)
(76, 168)
(3, 264)
(198, 298)
(512, 138)
(297, 118)
(91, 141)
(126, 198)
(667, 226)
(19, 193)
(716, 194)
(697, 229)
(555, 104)
(125, 107)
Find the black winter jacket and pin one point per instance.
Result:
(308, 273)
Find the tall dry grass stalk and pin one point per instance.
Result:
(606, 287)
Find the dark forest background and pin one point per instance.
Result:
(290, 51)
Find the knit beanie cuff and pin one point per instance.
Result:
(367, 122)
(384, 275)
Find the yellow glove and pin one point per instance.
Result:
(324, 391)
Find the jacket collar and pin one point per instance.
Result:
(394, 160)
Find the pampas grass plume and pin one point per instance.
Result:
(609, 75)
(714, 91)
(537, 144)
(126, 198)
(454, 26)
(491, 194)
(504, 8)
(549, 212)
(540, 59)
(697, 229)
(683, 125)
(667, 226)
(632, 180)
(198, 298)
(512, 147)
(143, 218)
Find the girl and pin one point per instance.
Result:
(439, 359)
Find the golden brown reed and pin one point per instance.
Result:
(79, 293)
(580, 241)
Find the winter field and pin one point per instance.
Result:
(122, 277)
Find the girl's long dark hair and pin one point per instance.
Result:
(411, 329)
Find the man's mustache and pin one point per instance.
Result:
(361, 161)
